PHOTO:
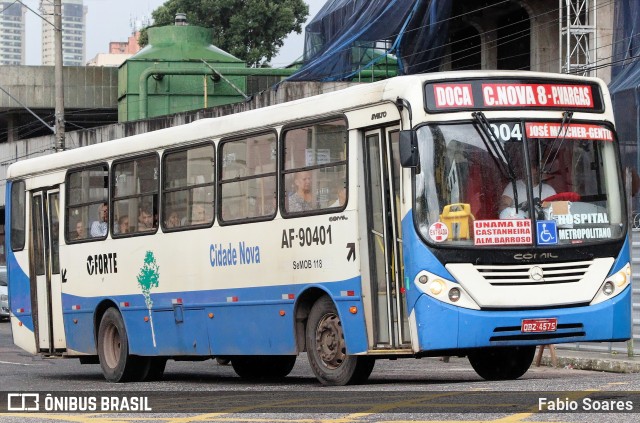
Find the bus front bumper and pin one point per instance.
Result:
(440, 326)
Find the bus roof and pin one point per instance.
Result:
(253, 120)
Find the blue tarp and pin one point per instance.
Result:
(625, 78)
(412, 31)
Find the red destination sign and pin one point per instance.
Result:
(537, 95)
(511, 94)
(572, 131)
(453, 95)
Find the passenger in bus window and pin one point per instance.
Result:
(303, 199)
(123, 224)
(80, 232)
(145, 220)
(100, 226)
(173, 221)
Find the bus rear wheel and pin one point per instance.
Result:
(113, 351)
(267, 367)
(502, 363)
(327, 350)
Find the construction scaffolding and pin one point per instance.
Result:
(578, 41)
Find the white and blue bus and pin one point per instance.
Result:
(472, 214)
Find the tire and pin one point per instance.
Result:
(223, 361)
(113, 351)
(502, 363)
(266, 367)
(156, 369)
(327, 350)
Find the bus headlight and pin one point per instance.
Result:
(436, 287)
(454, 294)
(620, 279)
(444, 290)
(608, 288)
(613, 285)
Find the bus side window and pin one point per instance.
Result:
(187, 187)
(248, 178)
(18, 196)
(315, 167)
(135, 195)
(87, 191)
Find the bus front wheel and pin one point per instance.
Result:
(113, 351)
(502, 363)
(327, 350)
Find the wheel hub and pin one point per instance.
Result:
(112, 347)
(330, 341)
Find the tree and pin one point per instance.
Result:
(251, 30)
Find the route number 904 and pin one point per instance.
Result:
(507, 131)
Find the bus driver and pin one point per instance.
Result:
(507, 205)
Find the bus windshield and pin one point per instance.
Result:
(518, 183)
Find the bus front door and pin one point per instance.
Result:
(46, 281)
(382, 174)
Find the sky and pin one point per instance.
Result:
(111, 20)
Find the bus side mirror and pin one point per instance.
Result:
(409, 156)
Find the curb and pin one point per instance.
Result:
(618, 365)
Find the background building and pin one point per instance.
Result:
(74, 33)
(119, 51)
(12, 33)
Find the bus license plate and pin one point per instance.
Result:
(539, 325)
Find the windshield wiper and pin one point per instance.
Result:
(566, 121)
(497, 151)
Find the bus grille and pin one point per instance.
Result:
(512, 333)
(533, 274)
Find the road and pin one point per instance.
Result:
(398, 390)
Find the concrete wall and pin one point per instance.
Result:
(34, 86)
(604, 40)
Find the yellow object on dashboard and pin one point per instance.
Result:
(458, 219)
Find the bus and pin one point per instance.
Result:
(476, 214)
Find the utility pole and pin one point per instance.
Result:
(59, 123)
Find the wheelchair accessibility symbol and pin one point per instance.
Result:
(547, 232)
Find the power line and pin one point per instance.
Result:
(439, 59)
(546, 24)
(38, 14)
(14, 2)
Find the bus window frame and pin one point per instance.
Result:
(163, 173)
(220, 182)
(23, 217)
(113, 199)
(67, 206)
(283, 193)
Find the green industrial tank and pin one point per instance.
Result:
(179, 70)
